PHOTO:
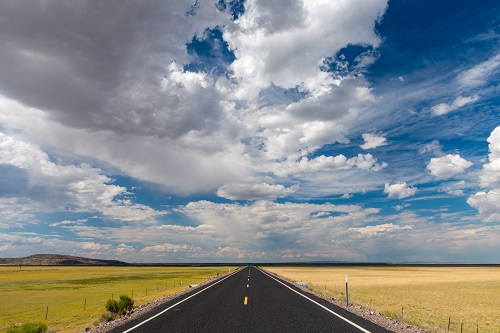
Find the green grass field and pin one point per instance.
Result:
(75, 296)
(424, 296)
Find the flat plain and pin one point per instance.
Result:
(431, 297)
(73, 297)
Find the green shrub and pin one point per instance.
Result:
(124, 305)
(37, 327)
(112, 306)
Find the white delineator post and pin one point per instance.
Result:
(346, 290)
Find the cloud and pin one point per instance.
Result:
(488, 202)
(401, 207)
(255, 191)
(124, 249)
(130, 97)
(153, 119)
(237, 253)
(381, 229)
(50, 186)
(327, 163)
(454, 188)
(310, 123)
(479, 74)
(447, 166)
(115, 89)
(288, 50)
(273, 226)
(16, 212)
(184, 165)
(399, 190)
(434, 147)
(373, 141)
(97, 248)
(105, 73)
(490, 175)
(166, 247)
(459, 102)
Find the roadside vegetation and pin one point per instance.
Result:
(433, 298)
(71, 298)
(116, 309)
(37, 327)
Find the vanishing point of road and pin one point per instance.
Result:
(249, 300)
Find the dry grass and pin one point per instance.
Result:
(26, 294)
(424, 296)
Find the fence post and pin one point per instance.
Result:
(84, 304)
(346, 290)
(47, 312)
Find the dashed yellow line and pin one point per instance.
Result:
(245, 302)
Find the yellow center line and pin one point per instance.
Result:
(245, 302)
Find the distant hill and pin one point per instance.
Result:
(59, 259)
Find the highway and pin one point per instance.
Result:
(248, 300)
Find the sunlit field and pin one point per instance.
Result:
(73, 298)
(429, 297)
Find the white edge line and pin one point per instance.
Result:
(324, 307)
(185, 299)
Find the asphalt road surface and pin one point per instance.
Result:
(249, 300)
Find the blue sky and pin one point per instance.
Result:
(229, 131)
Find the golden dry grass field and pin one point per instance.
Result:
(75, 296)
(424, 296)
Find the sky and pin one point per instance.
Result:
(251, 131)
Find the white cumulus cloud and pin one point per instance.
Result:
(447, 166)
(289, 50)
(488, 202)
(373, 141)
(490, 175)
(399, 190)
